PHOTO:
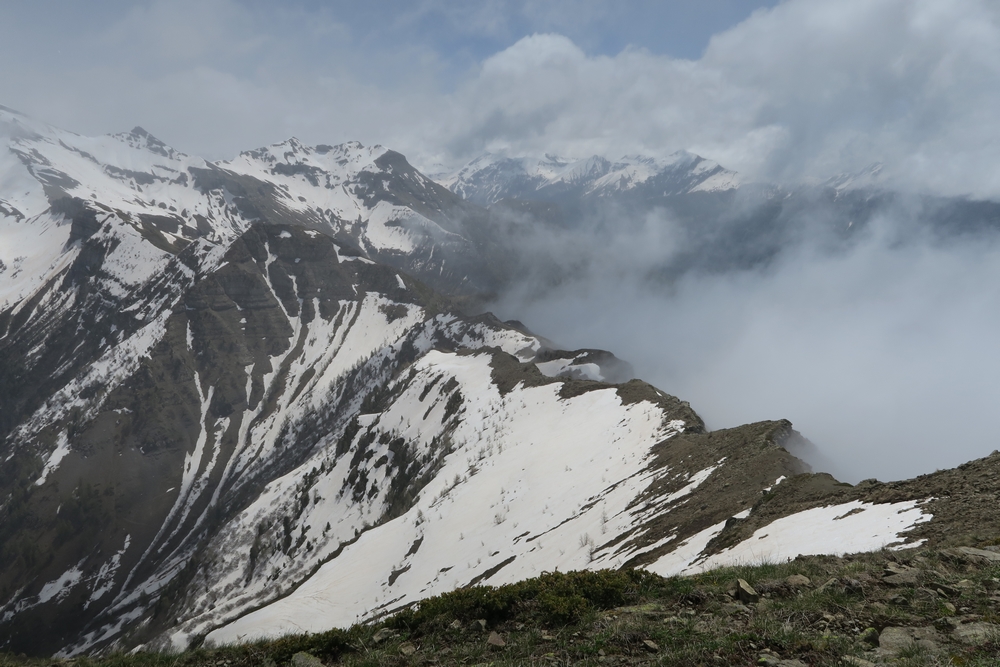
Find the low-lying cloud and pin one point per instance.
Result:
(880, 349)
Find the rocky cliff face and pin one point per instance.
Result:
(244, 397)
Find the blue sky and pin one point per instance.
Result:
(464, 32)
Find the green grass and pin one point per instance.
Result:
(633, 617)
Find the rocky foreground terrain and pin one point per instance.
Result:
(247, 399)
(908, 608)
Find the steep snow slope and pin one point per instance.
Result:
(493, 463)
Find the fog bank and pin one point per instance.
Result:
(882, 351)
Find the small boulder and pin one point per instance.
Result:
(383, 634)
(977, 633)
(827, 584)
(946, 590)
(854, 661)
(894, 640)
(651, 645)
(973, 555)
(870, 636)
(745, 593)
(496, 640)
(306, 660)
(798, 581)
(900, 575)
(407, 649)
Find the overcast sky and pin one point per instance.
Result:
(792, 90)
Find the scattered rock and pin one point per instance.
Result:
(829, 582)
(482, 623)
(547, 637)
(972, 555)
(772, 660)
(306, 660)
(745, 592)
(870, 636)
(651, 645)
(456, 625)
(950, 607)
(407, 649)
(946, 590)
(496, 640)
(798, 581)
(894, 640)
(900, 575)
(383, 634)
(732, 608)
(855, 661)
(976, 633)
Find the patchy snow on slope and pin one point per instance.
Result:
(505, 473)
(109, 371)
(836, 530)
(385, 229)
(31, 251)
(104, 579)
(719, 182)
(61, 586)
(478, 334)
(570, 368)
(57, 455)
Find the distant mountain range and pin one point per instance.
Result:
(491, 178)
(247, 397)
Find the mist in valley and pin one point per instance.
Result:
(875, 337)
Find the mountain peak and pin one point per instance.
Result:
(140, 138)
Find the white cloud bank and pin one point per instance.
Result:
(807, 89)
(883, 352)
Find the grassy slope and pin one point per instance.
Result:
(632, 617)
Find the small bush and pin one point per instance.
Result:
(554, 598)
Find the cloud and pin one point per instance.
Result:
(880, 350)
(804, 90)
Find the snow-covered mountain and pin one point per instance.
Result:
(491, 178)
(241, 398)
